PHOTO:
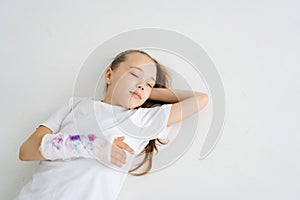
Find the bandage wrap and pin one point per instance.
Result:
(68, 146)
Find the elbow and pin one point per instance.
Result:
(202, 100)
(21, 154)
(22, 158)
(205, 99)
(26, 154)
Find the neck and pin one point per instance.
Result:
(107, 100)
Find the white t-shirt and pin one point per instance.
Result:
(89, 179)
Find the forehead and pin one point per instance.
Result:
(139, 61)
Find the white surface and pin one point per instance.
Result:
(254, 44)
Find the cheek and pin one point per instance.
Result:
(124, 85)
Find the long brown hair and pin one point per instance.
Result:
(162, 81)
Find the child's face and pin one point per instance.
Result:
(130, 85)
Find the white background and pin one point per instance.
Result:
(254, 45)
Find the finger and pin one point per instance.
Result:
(121, 138)
(116, 162)
(118, 139)
(118, 154)
(117, 148)
(116, 159)
(125, 146)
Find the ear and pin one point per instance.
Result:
(108, 76)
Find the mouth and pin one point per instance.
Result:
(137, 95)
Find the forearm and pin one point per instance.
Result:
(43, 145)
(29, 150)
(172, 95)
(67, 146)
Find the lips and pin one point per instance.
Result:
(136, 94)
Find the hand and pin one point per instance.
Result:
(118, 155)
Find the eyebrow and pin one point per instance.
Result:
(141, 70)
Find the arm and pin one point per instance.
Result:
(29, 150)
(43, 145)
(184, 103)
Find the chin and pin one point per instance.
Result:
(134, 104)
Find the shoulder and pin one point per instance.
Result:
(156, 111)
(73, 101)
(76, 99)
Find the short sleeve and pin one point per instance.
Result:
(164, 133)
(165, 108)
(55, 120)
(148, 123)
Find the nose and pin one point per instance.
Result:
(140, 86)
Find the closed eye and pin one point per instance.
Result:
(138, 76)
(149, 85)
(133, 74)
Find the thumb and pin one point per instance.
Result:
(121, 138)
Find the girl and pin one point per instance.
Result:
(124, 121)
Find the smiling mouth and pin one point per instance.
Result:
(136, 95)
